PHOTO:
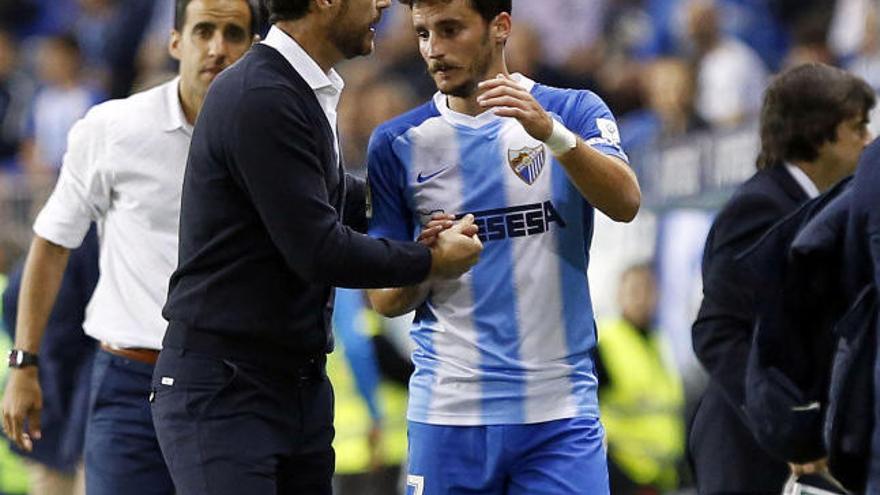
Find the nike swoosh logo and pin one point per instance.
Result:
(424, 178)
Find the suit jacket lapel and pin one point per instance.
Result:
(788, 183)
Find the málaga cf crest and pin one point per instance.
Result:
(527, 163)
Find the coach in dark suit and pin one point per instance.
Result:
(269, 224)
(813, 129)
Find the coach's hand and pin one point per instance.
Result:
(23, 402)
(457, 249)
(509, 99)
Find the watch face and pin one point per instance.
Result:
(19, 358)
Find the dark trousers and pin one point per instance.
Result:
(231, 427)
(121, 451)
(385, 481)
(725, 456)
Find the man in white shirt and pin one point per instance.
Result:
(123, 169)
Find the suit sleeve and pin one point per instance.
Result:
(722, 332)
(276, 156)
(355, 204)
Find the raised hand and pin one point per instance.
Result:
(509, 99)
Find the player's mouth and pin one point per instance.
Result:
(443, 70)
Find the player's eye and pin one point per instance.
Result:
(422, 34)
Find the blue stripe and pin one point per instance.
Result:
(483, 169)
(577, 307)
(425, 356)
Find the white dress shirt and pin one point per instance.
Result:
(803, 180)
(124, 169)
(326, 85)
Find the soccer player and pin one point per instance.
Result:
(503, 400)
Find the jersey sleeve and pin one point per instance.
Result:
(387, 210)
(592, 120)
(83, 191)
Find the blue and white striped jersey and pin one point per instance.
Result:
(510, 342)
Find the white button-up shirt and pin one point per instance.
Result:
(803, 180)
(326, 85)
(124, 169)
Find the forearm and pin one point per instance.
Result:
(398, 301)
(41, 280)
(606, 182)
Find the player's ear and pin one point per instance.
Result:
(500, 27)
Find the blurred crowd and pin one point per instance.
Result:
(666, 67)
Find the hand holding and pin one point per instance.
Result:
(439, 222)
(457, 250)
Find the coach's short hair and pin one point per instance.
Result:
(803, 107)
(287, 10)
(180, 14)
(488, 9)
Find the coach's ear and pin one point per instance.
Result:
(500, 27)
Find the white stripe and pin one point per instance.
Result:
(435, 147)
(539, 301)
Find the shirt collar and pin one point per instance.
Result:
(477, 121)
(175, 118)
(304, 64)
(803, 180)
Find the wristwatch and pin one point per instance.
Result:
(21, 359)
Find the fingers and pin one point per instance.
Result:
(470, 230)
(16, 430)
(466, 221)
(499, 80)
(34, 428)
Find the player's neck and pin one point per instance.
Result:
(468, 105)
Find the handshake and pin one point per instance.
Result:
(455, 247)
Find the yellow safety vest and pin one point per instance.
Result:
(642, 406)
(352, 417)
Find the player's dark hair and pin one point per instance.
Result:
(180, 14)
(803, 107)
(488, 9)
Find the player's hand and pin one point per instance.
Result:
(439, 222)
(509, 99)
(456, 251)
(22, 403)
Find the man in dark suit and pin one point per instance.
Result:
(813, 129)
(269, 225)
(863, 237)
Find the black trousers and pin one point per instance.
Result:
(231, 427)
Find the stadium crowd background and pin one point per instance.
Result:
(684, 77)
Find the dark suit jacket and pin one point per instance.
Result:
(265, 225)
(863, 253)
(724, 453)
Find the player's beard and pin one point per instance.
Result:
(477, 71)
